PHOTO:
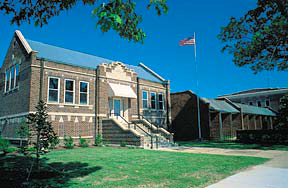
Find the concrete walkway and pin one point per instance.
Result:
(272, 174)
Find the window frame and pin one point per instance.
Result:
(11, 85)
(74, 89)
(15, 75)
(7, 73)
(153, 100)
(145, 99)
(163, 105)
(83, 92)
(58, 96)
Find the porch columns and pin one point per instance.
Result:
(261, 123)
(271, 122)
(255, 122)
(221, 125)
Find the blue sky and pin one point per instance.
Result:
(217, 75)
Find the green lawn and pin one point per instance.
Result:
(123, 167)
(232, 145)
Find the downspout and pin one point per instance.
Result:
(41, 79)
(138, 98)
(167, 104)
(96, 119)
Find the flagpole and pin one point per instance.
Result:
(197, 90)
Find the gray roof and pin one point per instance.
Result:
(223, 106)
(220, 106)
(66, 56)
(248, 109)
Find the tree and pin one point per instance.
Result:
(41, 130)
(118, 15)
(282, 118)
(259, 38)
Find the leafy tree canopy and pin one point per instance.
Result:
(118, 15)
(259, 38)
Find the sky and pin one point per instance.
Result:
(217, 75)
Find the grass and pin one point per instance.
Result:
(122, 167)
(232, 145)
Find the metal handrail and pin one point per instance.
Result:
(135, 125)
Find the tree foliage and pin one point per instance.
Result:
(118, 15)
(259, 38)
(282, 118)
(41, 130)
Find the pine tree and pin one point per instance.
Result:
(41, 130)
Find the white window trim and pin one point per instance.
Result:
(57, 89)
(15, 76)
(5, 88)
(155, 100)
(83, 92)
(10, 79)
(145, 99)
(163, 106)
(69, 91)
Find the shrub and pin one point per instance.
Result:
(98, 140)
(54, 142)
(83, 142)
(4, 145)
(68, 142)
(123, 144)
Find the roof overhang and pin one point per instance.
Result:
(118, 90)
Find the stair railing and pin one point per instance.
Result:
(135, 125)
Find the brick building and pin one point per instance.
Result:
(86, 95)
(219, 118)
(263, 97)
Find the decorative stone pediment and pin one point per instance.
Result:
(119, 71)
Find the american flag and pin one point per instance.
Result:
(187, 42)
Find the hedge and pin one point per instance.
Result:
(262, 136)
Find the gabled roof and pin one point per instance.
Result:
(255, 92)
(67, 56)
(220, 106)
(248, 109)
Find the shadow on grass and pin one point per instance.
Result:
(232, 145)
(14, 170)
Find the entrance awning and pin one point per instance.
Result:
(117, 90)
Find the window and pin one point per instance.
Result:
(144, 99)
(267, 102)
(12, 74)
(153, 100)
(53, 91)
(69, 91)
(259, 103)
(251, 103)
(160, 101)
(7, 80)
(16, 84)
(84, 95)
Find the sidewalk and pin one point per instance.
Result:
(272, 174)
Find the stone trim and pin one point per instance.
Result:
(63, 70)
(23, 41)
(69, 114)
